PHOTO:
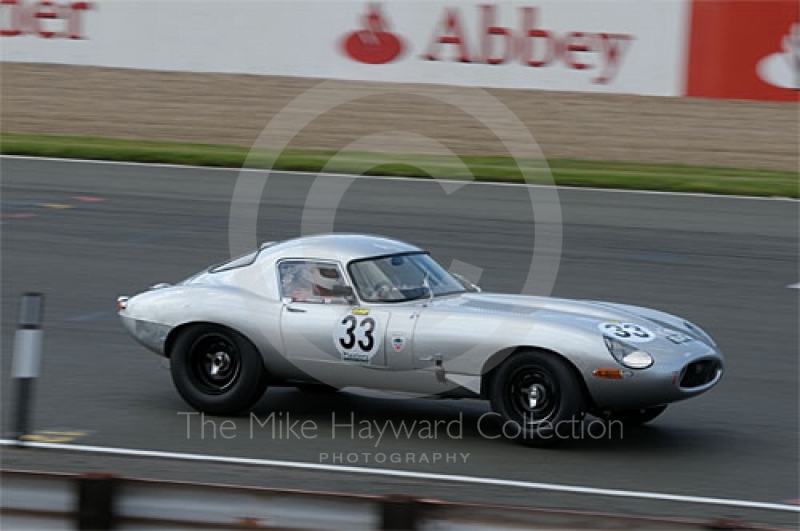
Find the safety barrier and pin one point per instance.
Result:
(37, 500)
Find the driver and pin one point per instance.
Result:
(323, 280)
(314, 283)
(310, 282)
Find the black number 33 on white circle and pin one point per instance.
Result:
(630, 332)
(357, 337)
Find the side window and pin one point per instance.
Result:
(305, 281)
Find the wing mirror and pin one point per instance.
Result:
(426, 285)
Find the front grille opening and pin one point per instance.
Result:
(699, 373)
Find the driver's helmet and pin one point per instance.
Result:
(324, 278)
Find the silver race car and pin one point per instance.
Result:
(332, 311)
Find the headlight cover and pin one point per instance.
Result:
(628, 355)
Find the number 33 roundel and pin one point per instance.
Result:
(627, 332)
(358, 337)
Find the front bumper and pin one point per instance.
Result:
(666, 381)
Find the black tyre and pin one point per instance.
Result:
(216, 370)
(538, 396)
(636, 417)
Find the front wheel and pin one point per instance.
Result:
(636, 417)
(216, 370)
(538, 396)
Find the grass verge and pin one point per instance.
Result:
(565, 172)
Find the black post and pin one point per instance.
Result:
(96, 494)
(400, 512)
(24, 387)
(27, 357)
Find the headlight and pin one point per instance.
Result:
(628, 355)
(697, 331)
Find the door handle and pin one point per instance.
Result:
(295, 309)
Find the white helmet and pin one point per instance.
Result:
(325, 277)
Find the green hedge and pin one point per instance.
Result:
(565, 172)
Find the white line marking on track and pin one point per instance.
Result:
(794, 286)
(391, 178)
(474, 480)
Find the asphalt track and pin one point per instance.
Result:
(85, 233)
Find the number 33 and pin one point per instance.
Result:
(367, 325)
(629, 331)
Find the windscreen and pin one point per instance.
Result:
(401, 277)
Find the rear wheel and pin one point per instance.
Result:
(536, 393)
(216, 370)
(636, 417)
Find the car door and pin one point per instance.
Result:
(323, 335)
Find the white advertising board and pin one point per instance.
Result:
(613, 46)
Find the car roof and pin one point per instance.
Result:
(341, 247)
